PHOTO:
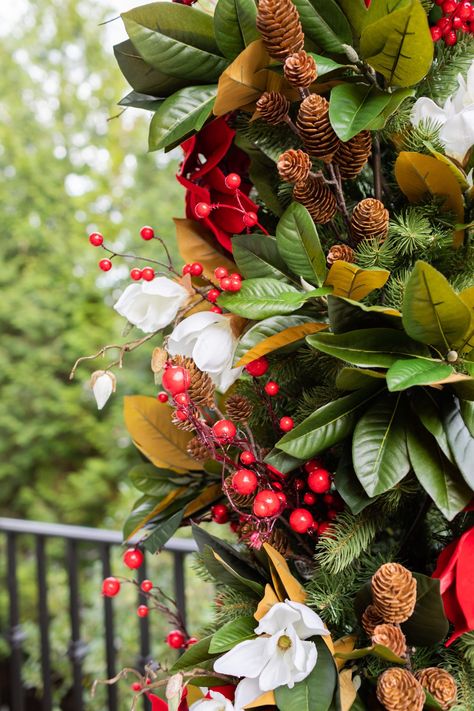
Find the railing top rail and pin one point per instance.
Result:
(84, 533)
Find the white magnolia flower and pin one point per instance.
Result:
(455, 119)
(103, 385)
(152, 305)
(279, 656)
(208, 338)
(217, 702)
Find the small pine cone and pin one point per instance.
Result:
(371, 619)
(369, 220)
(353, 155)
(317, 199)
(198, 450)
(340, 253)
(440, 685)
(272, 107)
(278, 22)
(279, 541)
(240, 500)
(313, 123)
(201, 389)
(300, 69)
(294, 166)
(398, 690)
(238, 408)
(390, 636)
(185, 425)
(394, 592)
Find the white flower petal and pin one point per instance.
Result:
(162, 286)
(213, 347)
(245, 659)
(226, 378)
(457, 135)
(278, 617)
(246, 691)
(277, 672)
(425, 109)
(309, 622)
(152, 305)
(194, 325)
(217, 702)
(310, 659)
(103, 387)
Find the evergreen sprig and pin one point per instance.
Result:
(350, 536)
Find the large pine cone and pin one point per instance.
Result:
(369, 220)
(317, 199)
(398, 690)
(390, 636)
(201, 389)
(440, 685)
(371, 618)
(300, 69)
(238, 408)
(353, 155)
(294, 166)
(394, 592)
(340, 252)
(198, 450)
(272, 107)
(315, 128)
(278, 22)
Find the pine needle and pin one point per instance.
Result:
(350, 536)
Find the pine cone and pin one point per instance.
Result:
(272, 107)
(371, 618)
(315, 128)
(278, 22)
(317, 199)
(394, 592)
(353, 155)
(398, 690)
(279, 541)
(240, 500)
(369, 220)
(440, 685)
(300, 69)
(390, 636)
(294, 166)
(185, 425)
(198, 450)
(238, 408)
(201, 389)
(340, 253)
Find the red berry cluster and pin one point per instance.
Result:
(458, 16)
(228, 282)
(148, 274)
(258, 367)
(321, 505)
(232, 182)
(195, 269)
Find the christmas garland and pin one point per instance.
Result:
(315, 352)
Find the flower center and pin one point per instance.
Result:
(284, 642)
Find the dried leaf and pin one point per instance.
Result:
(210, 494)
(347, 690)
(352, 282)
(344, 645)
(294, 589)
(268, 600)
(159, 508)
(195, 245)
(267, 699)
(158, 359)
(278, 340)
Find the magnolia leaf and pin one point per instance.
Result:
(156, 482)
(268, 600)
(348, 485)
(234, 25)
(396, 100)
(432, 312)
(149, 424)
(282, 461)
(210, 494)
(232, 633)
(347, 689)
(147, 509)
(353, 282)
(146, 80)
(345, 314)
(467, 297)
(294, 590)
(376, 650)
(196, 245)
(257, 256)
(460, 439)
(252, 584)
(353, 107)
(420, 176)
(404, 374)
(299, 245)
(355, 378)
(458, 172)
(278, 340)
(194, 655)
(261, 298)
(325, 24)
(428, 410)
(265, 700)
(326, 65)
(316, 692)
(355, 11)
(141, 101)
(179, 115)
(162, 532)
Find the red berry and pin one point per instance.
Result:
(249, 219)
(180, 415)
(196, 269)
(328, 499)
(448, 6)
(110, 587)
(443, 23)
(312, 464)
(283, 499)
(146, 585)
(272, 388)
(332, 514)
(163, 397)
(148, 274)
(244, 481)
(299, 484)
(224, 431)
(175, 379)
(105, 265)
(220, 272)
(133, 558)
(186, 269)
(147, 233)
(465, 11)
(301, 520)
(319, 481)
(136, 686)
(213, 295)
(266, 503)
(323, 527)
(234, 285)
(136, 274)
(313, 529)
(247, 457)
(142, 611)
(202, 210)
(96, 239)
(436, 33)
(175, 639)
(257, 367)
(309, 499)
(457, 23)
(191, 641)
(277, 485)
(450, 38)
(226, 283)
(216, 309)
(286, 424)
(232, 181)
(235, 276)
(182, 399)
(220, 513)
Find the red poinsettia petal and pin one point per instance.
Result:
(222, 236)
(206, 149)
(465, 577)
(157, 704)
(445, 568)
(228, 690)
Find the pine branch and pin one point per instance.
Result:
(442, 80)
(374, 253)
(271, 140)
(349, 537)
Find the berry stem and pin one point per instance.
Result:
(125, 348)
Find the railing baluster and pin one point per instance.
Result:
(144, 627)
(179, 585)
(15, 632)
(47, 701)
(77, 648)
(109, 632)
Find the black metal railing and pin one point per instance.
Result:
(73, 537)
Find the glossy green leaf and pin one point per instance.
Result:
(257, 256)
(353, 107)
(396, 100)
(460, 439)
(375, 650)
(327, 426)
(355, 11)
(162, 532)
(326, 65)
(194, 656)
(347, 314)
(467, 413)
(348, 485)
(432, 311)
(282, 461)
(143, 78)
(265, 329)
(299, 245)
(439, 478)
(262, 298)
(236, 560)
(368, 347)
(232, 633)
(234, 25)
(427, 407)
(407, 373)
(141, 509)
(397, 42)
(315, 693)
(141, 101)
(355, 378)
(183, 113)
(154, 481)
(325, 24)
(379, 447)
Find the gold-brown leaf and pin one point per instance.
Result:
(347, 690)
(344, 644)
(159, 508)
(278, 340)
(267, 699)
(352, 282)
(206, 497)
(268, 600)
(195, 245)
(294, 590)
